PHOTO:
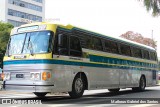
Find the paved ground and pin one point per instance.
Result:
(94, 98)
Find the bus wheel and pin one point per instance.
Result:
(142, 84)
(77, 87)
(114, 90)
(40, 94)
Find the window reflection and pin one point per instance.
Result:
(34, 42)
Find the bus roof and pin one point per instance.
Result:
(117, 38)
(70, 27)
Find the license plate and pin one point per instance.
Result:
(19, 76)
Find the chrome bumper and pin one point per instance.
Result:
(27, 88)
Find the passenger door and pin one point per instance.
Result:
(61, 70)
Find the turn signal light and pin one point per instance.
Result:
(6, 76)
(2, 76)
(46, 76)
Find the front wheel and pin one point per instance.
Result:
(77, 87)
(40, 94)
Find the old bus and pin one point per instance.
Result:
(45, 58)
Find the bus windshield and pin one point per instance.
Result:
(30, 43)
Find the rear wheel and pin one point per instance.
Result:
(78, 87)
(40, 94)
(142, 84)
(114, 90)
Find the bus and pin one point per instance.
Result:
(46, 58)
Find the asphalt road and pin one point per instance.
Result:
(93, 98)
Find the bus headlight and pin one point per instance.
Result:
(6, 76)
(35, 76)
(32, 76)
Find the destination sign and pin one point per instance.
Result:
(29, 28)
(20, 57)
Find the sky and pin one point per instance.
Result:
(108, 17)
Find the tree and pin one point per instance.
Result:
(5, 29)
(152, 5)
(136, 37)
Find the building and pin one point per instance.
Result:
(18, 12)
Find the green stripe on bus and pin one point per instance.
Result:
(74, 63)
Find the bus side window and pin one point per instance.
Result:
(62, 44)
(86, 41)
(145, 54)
(110, 46)
(125, 50)
(75, 46)
(136, 52)
(153, 56)
(97, 44)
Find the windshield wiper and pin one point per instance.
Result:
(30, 47)
(8, 47)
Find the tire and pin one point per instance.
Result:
(142, 84)
(78, 87)
(114, 90)
(40, 94)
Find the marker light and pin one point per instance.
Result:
(42, 27)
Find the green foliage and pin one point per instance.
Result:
(152, 5)
(5, 29)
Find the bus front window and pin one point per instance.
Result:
(16, 44)
(30, 43)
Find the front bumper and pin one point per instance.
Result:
(27, 88)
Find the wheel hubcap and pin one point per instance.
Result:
(78, 85)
